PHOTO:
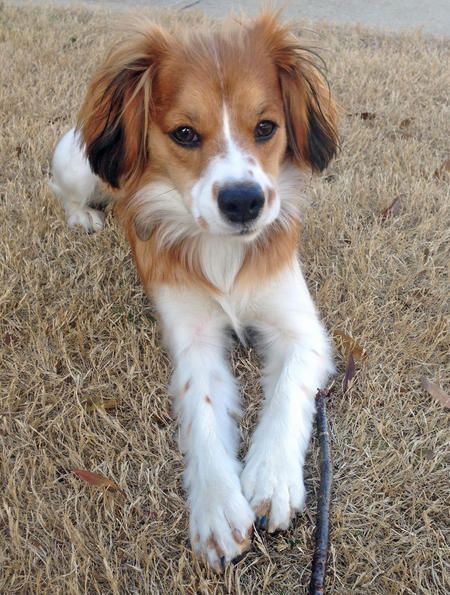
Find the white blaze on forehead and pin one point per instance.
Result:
(234, 157)
(227, 130)
(237, 164)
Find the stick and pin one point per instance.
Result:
(319, 565)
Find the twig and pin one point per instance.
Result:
(319, 565)
(190, 5)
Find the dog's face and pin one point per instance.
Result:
(213, 115)
(220, 136)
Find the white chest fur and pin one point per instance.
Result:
(221, 260)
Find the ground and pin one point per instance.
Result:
(84, 376)
(393, 15)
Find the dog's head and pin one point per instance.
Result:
(213, 116)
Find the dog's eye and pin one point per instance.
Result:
(265, 130)
(185, 136)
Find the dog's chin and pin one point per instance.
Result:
(242, 234)
(247, 235)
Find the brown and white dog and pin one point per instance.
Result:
(205, 135)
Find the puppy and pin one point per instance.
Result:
(203, 136)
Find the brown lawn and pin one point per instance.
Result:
(77, 331)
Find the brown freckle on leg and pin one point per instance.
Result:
(250, 173)
(203, 224)
(215, 190)
(251, 160)
(187, 386)
(208, 400)
(212, 543)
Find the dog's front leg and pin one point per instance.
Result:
(298, 361)
(206, 399)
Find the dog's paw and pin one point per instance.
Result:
(273, 485)
(221, 525)
(90, 220)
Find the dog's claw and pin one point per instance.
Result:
(218, 568)
(261, 522)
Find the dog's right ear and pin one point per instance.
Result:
(114, 118)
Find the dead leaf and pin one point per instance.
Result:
(56, 119)
(393, 209)
(435, 391)
(330, 178)
(349, 372)
(364, 115)
(97, 480)
(349, 345)
(443, 170)
(94, 404)
(8, 339)
(405, 123)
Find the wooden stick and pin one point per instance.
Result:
(319, 565)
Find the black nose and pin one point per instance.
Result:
(241, 203)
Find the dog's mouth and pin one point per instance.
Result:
(238, 231)
(247, 233)
(246, 230)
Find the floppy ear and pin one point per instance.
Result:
(310, 113)
(114, 117)
(310, 110)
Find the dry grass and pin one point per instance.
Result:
(76, 327)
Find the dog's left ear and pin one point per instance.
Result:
(115, 116)
(310, 110)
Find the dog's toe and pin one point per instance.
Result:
(221, 530)
(89, 219)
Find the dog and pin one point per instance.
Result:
(204, 137)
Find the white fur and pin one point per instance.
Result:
(160, 204)
(74, 183)
(297, 359)
(194, 328)
(233, 165)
